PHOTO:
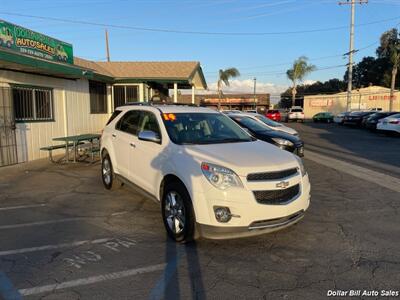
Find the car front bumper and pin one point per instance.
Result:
(249, 217)
(255, 228)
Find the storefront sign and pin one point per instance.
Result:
(230, 100)
(380, 97)
(28, 42)
(321, 102)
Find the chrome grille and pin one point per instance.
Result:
(277, 197)
(271, 175)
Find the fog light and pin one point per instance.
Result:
(222, 214)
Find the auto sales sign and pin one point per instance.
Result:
(25, 41)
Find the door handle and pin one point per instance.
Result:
(114, 135)
(132, 145)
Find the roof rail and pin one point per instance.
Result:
(152, 103)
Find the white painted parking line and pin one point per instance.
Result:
(22, 206)
(90, 280)
(387, 181)
(56, 246)
(13, 226)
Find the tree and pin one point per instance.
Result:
(301, 68)
(223, 78)
(390, 48)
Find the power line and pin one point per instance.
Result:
(162, 30)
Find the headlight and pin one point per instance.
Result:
(302, 169)
(283, 142)
(220, 177)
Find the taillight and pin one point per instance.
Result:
(394, 122)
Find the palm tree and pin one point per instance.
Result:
(390, 47)
(223, 78)
(301, 68)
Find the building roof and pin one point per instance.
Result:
(186, 71)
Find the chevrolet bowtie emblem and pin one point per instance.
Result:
(282, 184)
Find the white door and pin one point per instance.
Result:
(148, 157)
(124, 142)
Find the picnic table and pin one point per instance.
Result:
(76, 140)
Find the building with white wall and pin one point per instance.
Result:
(46, 93)
(372, 97)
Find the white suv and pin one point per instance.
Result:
(296, 113)
(211, 177)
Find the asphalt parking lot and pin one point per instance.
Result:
(63, 236)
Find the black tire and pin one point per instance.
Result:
(107, 172)
(186, 231)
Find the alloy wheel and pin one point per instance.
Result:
(107, 171)
(174, 212)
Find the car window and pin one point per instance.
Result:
(296, 110)
(250, 124)
(203, 128)
(129, 122)
(148, 122)
(113, 116)
(268, 121)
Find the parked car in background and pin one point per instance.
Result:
(262, 132)
(211, 178)
(296, 113)
(232, 111)
(338, 119)
(325, 117)
(251, 111)
(372, 120)
(355, 118)
(272, 124)
(274, 115)
(390, 123)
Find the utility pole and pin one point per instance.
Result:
(255, 83)
(107, 47)
(351, 50)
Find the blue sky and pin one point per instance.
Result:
(266, 57)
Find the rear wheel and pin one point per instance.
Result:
(177, 213)
(107, 172)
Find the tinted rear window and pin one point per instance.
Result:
(297, 110)
(273, 111)
(113, 116)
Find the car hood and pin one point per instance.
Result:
(245, 157)
(278, 134)
(286, 129)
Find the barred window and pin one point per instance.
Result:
(124, 94)
(98, 97)
(32, 103)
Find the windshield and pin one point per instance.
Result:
(268, 121)
(250, 123)
(203, 128)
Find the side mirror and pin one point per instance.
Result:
(149, 136)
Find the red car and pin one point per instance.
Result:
(274, 114)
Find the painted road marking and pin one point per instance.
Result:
(56, 246)
(13, 226)
(387, 181)
(83, 258)
(90, 280)
(22, 206)
(7, 290)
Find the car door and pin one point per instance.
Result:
(148, 158)
(124, 141)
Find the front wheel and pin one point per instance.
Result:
(177, 213)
